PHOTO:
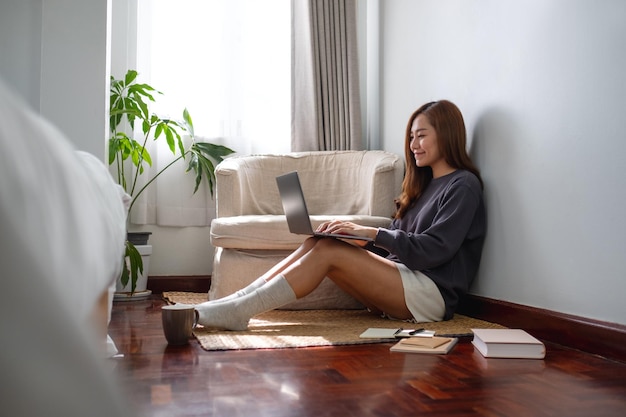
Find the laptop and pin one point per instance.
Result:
(295, 209)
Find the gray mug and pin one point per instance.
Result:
(178, 323)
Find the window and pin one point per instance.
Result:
(228, 62)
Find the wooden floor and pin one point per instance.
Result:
(365, 380)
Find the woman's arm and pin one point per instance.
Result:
(432, 233)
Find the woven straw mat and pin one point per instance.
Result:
(306, 328)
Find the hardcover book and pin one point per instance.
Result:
(508, 343)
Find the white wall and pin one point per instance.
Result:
(541, 84)
(20, 47)
(55, 54)
(75, 70)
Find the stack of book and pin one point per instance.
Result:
(413, 340)
(491, 343)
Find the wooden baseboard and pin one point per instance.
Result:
(194, 283)
(588, 335)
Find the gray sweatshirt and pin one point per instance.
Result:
(442, 235)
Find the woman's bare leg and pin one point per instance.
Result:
(371, 279)
(304, 248)
(273, 272)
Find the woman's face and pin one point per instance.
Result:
(424, 143)
(425, 147)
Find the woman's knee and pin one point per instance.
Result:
(309, 242)
(332, 251)
(327, 244)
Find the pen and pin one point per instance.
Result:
(398, 331)
(416, 331)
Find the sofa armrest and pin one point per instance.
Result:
(227, 189)
(386, 174)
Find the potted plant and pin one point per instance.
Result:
(129, 109)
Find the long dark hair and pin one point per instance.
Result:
(447, 120)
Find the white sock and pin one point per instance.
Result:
(236, 313)
(259, 282)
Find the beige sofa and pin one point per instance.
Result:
(250, 233)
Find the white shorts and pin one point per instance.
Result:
(421, 295)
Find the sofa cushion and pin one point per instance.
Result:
(270, 232)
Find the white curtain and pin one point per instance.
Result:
(326, 112)
(228, 62)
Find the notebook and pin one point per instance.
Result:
(382, 333)
(431, 345)
(296, 211)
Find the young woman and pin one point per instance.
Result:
(418, 268)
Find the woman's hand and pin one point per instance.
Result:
(348, 228)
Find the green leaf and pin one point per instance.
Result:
(125, 273)
(145, 155)
(169, 136)
(207, 166)
(213, 151)
(142, 90)
(193, 162)
(157, 131)
(143, 108)
(201, 161)
(145, 127)
(187, 119)
(133, 268)
(130, 77)
(181, 145)
(113, 148)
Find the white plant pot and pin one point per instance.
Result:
(123, 293)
